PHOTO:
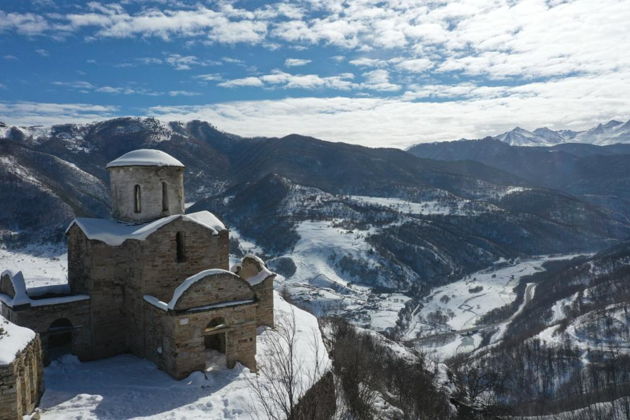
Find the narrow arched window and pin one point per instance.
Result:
(164, 197)
(137, 199)
(179, 243)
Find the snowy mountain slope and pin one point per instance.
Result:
(450, 320)
(597, 174)
(609, 133)
(216, 161)
(521, 137)
(42, 192)
(568, 346)
(394, 244)
(128, 387)
(321, 284)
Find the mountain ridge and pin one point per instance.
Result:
(604, 134)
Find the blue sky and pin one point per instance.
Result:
(380, 73)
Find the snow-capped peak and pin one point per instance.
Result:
(603, 134)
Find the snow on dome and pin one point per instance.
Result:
(145, 157)
(185, 285)
(12, 340)
(115, 233)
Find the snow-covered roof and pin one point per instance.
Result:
(186, 284)
(114, 233)
(164, 306)
(262, 275)
(19, 286)
(145, 157)
(13, 340)
(22, 296)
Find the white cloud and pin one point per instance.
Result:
(294, 62)
(379, 80)
(501, 63)
(415, 65)
(182, 93)
(368, 62)
(87, 87)
(42, 52)
(79, 84)
(285, 80)
(180, 62)
(575, 103)
(23, 23)
(210, 77)
(245, 81)
(40, 113)
(216, 26)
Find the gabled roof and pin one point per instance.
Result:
(114, 233)
(145, 157)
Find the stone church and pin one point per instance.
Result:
(153, 281)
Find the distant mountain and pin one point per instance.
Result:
(368, 234)
(612, 132)
(598, 174)
(436, 219)
(216, 160)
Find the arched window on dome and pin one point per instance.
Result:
(137, 198)
(164, 197)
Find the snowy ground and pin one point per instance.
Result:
(445, 207)
(319, 284)
(41, 265)
(589, 331)
(446, 320)
(125, 387)
(612, 410)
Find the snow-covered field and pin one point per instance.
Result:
(125, 387)
(41, 266)
(593, 331)
(450, 313)
(320, 284)
(444, 207)
(611, 410)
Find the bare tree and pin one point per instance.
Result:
(282, 378)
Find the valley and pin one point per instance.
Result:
(438, 257)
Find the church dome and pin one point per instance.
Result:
(145, 157)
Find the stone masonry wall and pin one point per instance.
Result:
(78, 261)
(215, 288)
(184, 348)
(6, 287)
(154, 320)
(39, 318)
(264, 293)
(110, 270)
(202, 250)
(123, 181)
(21, 382)
(118, 277)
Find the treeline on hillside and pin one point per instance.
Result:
(533, 379)
(580, 360)
(375, 380)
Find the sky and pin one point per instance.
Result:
(378, 73)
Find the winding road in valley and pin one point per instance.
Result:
(530, 289)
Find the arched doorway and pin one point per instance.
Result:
(215, 342)
(59, 338)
